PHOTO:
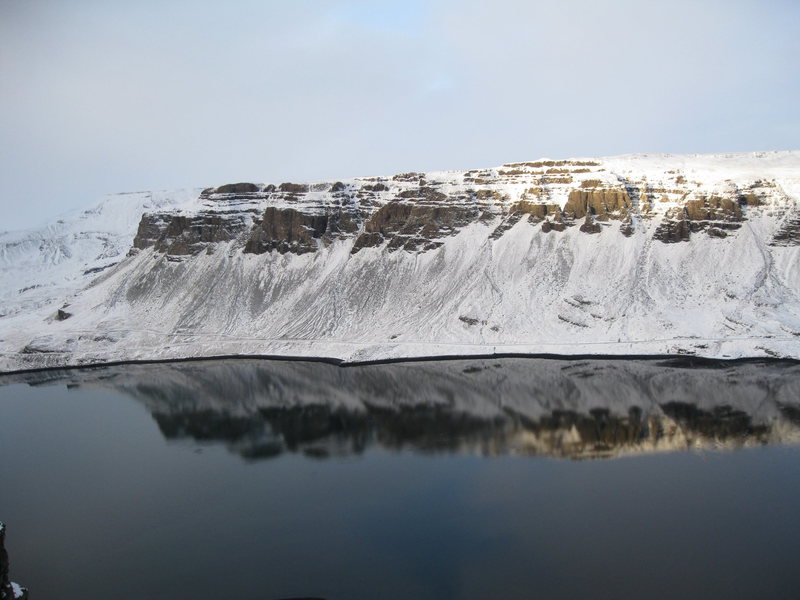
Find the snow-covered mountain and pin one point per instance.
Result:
(45, 265)
(646, 254)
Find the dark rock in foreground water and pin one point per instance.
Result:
(8, 589)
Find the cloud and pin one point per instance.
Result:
(110, 96)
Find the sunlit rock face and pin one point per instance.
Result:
(634, 255)
(568, 409)
(412, 211)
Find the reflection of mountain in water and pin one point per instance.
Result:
(576, 409)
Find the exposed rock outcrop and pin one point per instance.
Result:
(236, 188)
(191, 235)
(378, 267)
(180, 235)
(602, 204)
(714, 215)
(409, 226)
(287, 230)
(674, 228)
(789, 232)
(590, 225)
(413, 212)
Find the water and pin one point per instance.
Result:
(467, 479)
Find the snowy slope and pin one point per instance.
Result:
(45, 265)
(646, 254)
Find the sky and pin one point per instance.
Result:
(106, 96)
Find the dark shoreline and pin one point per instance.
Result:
(680, 361)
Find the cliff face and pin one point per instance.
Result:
(626, 255)
(414, 211)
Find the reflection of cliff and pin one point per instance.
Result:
(576, 409)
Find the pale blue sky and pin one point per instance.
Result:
(100, 96)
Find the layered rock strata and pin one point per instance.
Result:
(622, 255)
(414, 211)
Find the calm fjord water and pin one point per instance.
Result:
(512, 478)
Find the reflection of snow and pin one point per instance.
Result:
(565, 408)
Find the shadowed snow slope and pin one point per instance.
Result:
(648, 254)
